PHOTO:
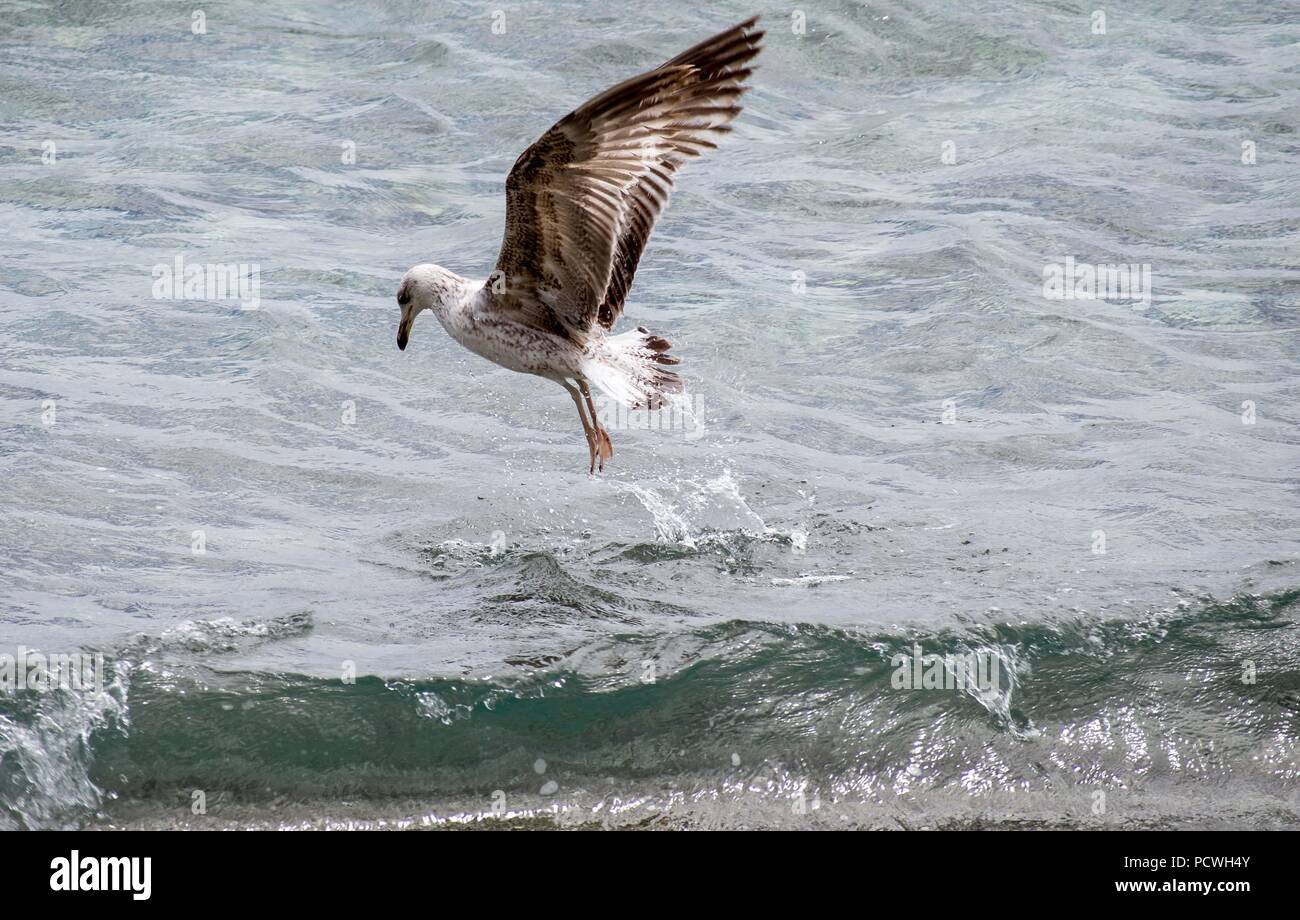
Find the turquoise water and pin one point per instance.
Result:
(412, 606)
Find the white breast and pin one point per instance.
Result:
(474, 324)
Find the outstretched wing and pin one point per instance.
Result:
(582, 200)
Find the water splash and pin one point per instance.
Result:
(692, 512)
(45, 753)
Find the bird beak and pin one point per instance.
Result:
(403, 332)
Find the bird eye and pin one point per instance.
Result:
(403, 297)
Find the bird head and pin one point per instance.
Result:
(425, 287)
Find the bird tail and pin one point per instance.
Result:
(629, 368)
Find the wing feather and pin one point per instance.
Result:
(582, 201)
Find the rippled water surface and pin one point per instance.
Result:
(898, 439)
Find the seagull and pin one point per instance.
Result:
(580, 205)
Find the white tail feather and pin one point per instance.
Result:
(630, 368)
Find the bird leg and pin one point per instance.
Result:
(586, 426)
(604, 446)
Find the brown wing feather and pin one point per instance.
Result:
(581, 201)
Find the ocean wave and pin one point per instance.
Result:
(767, 719)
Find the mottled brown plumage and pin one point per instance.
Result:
(582, 201)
